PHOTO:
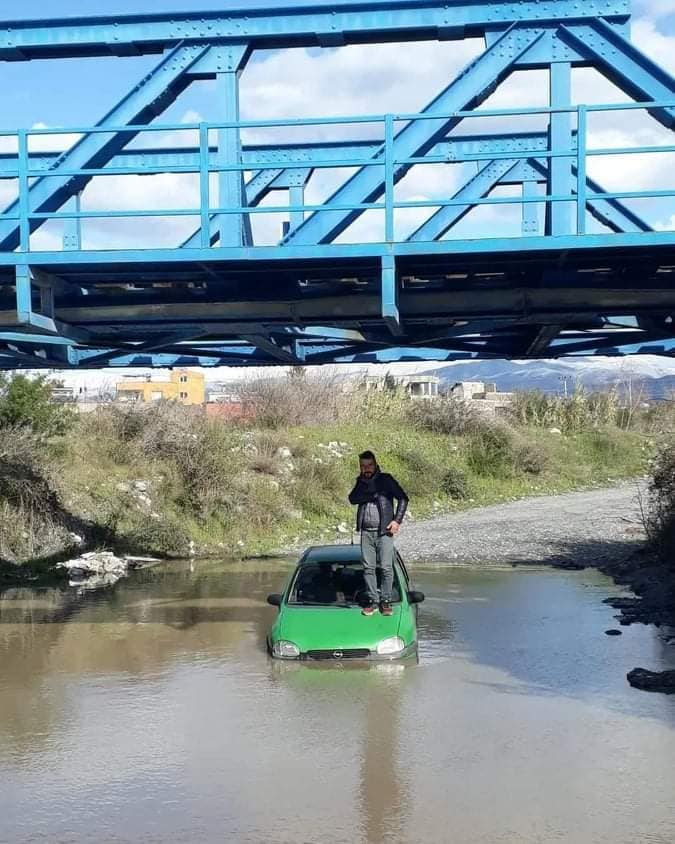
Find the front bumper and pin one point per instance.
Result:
(347, 655)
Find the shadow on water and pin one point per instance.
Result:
(369, 703)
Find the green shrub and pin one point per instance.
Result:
(455, 484)
(530, 458)
(420, 475)
(605, 445)
(318, 489)
(491, 450)
(168, 537)
(579, 412)
(660, 517)
(443, 416)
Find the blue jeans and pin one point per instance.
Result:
(377, 551)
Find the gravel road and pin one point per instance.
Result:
(579, 528)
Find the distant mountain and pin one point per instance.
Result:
(655, 376)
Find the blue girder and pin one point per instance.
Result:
(302, 25)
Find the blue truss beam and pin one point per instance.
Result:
(159, 88)
(292, 25)
(624, 65)
(288, 156)
(470, 88)
(610, 212)
(477, 187)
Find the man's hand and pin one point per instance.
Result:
(393, 528)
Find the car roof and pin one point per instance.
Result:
(331, 554)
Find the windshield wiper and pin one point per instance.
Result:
(320, 604)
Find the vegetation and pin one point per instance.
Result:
(660, 518)
(167, 479)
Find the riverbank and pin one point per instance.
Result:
(168, 482)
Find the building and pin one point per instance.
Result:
(417, 386)
(484, 397)
(183, 385)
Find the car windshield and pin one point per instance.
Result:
(336, 584)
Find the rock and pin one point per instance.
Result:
(76, 539)
(652, 681)
(95, 563)
(141, 486)
(555, 431)
(613, 633)
(284, 453)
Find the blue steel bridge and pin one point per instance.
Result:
(267, 273)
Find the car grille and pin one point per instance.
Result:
(337, 654)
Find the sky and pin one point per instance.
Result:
(352, 80)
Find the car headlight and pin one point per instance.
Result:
(286, 650)
(390, 646)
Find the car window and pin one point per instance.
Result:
(332, 584)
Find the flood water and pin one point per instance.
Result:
(150, 712)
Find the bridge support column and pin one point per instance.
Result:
(530, 223)
(72, 229)
(390, 312)
(234, 229)
(559, 214)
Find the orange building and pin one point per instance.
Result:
(183, 385)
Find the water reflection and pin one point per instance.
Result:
(157, 701)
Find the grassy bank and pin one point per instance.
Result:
(167, 480)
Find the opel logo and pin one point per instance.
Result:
(337, 654)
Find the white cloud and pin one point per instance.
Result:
(654, 9)
(659, 46)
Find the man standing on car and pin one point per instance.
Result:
(374, 493)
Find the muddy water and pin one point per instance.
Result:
(151, 713)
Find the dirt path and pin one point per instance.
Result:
(579, 528)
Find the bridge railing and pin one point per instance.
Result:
(46, 179)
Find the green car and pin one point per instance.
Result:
(320, 614)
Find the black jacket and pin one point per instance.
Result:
(386, 489)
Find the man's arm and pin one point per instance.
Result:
(401, 499)
(362, 493)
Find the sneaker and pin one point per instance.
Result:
(369, 610)
(385, 608)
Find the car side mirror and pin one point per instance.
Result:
(274, 600)
(415, 597)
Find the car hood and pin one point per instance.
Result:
(336, 628)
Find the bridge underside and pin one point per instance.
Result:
(524, 304)
(385, 267)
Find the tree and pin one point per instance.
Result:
(27, 402)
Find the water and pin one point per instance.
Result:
(151, 713)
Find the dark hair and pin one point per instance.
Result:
(367, 455)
